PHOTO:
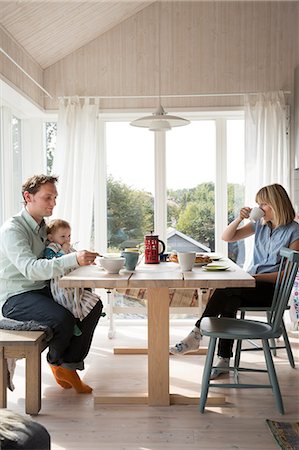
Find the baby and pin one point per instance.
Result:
(81, 301)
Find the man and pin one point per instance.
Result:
(24, 287)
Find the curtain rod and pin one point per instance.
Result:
(111, 97)
(26, 73)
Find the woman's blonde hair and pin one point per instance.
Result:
(276, 196)
(55, 224)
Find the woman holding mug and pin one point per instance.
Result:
(276, 229)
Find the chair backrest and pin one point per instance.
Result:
(284, 283)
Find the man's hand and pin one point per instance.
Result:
(85, 258)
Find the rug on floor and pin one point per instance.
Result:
(286, 434)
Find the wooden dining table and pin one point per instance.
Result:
(158, 279)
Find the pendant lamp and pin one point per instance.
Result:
(160, 120)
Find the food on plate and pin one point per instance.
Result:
(173, 257)
(201, 258)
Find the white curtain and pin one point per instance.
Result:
(74, 162)
(267, 156)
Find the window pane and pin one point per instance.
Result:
(190, 163)
(50, 134)
(130, 184)
(235, 182)
(17, 162)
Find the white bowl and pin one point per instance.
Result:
(112, 265)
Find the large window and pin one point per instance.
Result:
(204, 182)
(190, 168)
(130, 184)
(235, 182)
(16, 132)
(11, 150)
(21, 141)
(50, 131)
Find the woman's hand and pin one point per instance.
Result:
(233, 233)
(244, 213)
(85, 258)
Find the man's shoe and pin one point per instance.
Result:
(189, 344)
(221, 368)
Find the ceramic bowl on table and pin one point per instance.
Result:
(112, 264)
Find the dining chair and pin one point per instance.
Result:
(244, 329)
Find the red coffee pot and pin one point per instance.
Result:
(151, 248)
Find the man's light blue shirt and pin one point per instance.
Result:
(22, 264)
(267, 245)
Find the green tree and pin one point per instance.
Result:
(197, 212)
(51, 134)
(197, 221)
(191, 211)
(129, 213)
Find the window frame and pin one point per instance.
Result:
(160, 195)
(33, 155)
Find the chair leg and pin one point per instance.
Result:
(206, 374)
(287, 345)
(238, 347)
(273, 377)
(272, 340)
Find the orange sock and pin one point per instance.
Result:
(61, 383)
(71, 377)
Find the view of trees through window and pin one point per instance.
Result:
(130, 184)
(235, 182)
(50, 134)
(192, 211)
(191, 176)
(130, 214)
(16, 124)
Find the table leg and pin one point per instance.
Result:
(158, 346)
(110, 297)
(33, 380)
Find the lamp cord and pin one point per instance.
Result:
(159, 53)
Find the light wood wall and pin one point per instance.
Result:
(206, 47)
(10, 73)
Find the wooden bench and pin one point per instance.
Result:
(28, 345)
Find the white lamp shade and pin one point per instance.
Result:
(160, 121)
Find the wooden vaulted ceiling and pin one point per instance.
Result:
(50, 30)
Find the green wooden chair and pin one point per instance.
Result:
(242, 329)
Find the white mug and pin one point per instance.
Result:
(256, 214)
(186, 260)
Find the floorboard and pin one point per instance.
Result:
(75, 422)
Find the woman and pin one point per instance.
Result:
(275, 230)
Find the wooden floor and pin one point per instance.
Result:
(74, 422)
